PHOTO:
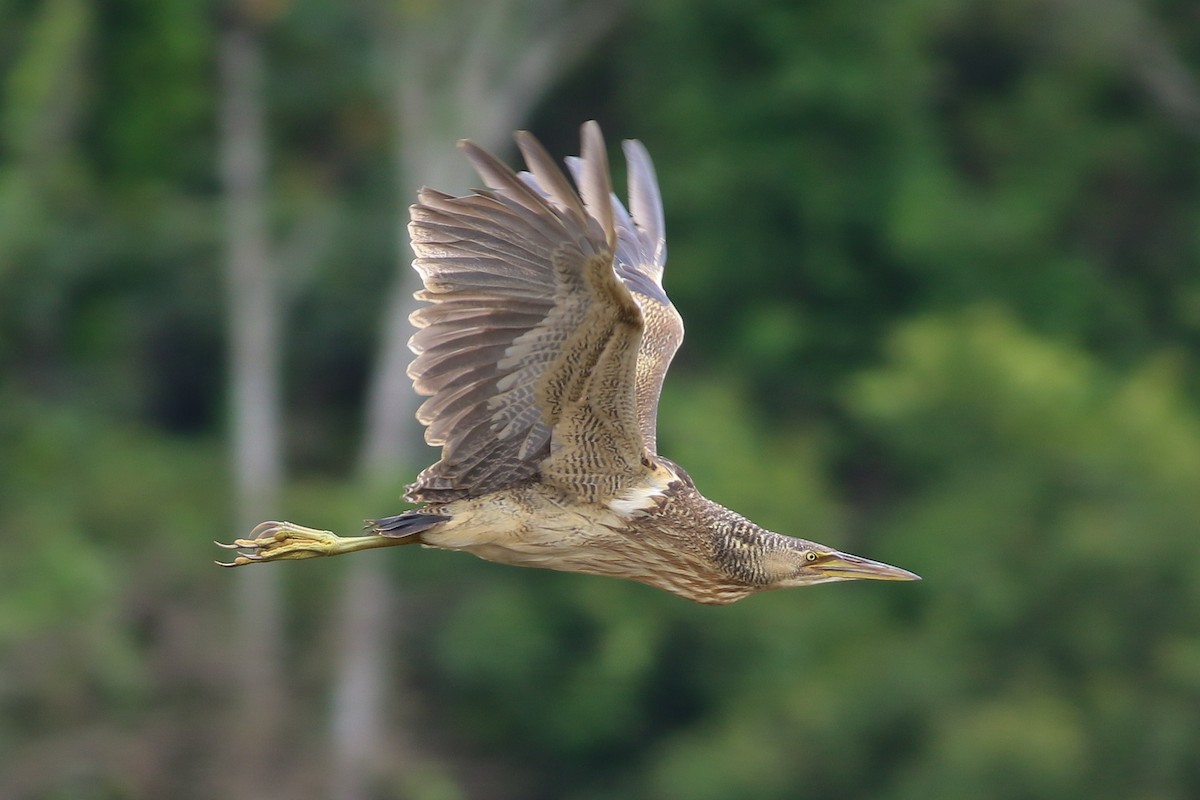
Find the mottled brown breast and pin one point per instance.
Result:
(684, 543)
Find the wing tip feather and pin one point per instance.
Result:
(596, 180)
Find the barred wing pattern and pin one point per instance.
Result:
(537, 359)
(639, 260)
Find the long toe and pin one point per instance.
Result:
(281, 541)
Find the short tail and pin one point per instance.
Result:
(406, 526)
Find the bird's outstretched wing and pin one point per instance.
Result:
(531, 349)
(640, 257)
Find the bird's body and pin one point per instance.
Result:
(661, 533)
(542, 351)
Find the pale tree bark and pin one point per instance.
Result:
(451, 70)
(254, 741)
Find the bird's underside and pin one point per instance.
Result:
(542, 351)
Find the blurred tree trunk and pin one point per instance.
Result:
(450, 70)
(257, 707)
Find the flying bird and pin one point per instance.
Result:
(542, 350)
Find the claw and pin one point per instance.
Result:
(260, 530)
(242, 558)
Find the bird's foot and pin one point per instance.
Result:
(280, 541)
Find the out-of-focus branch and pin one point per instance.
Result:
(568, 39)
(1163, 73)
(1129, 33)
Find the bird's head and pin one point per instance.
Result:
(804, 563)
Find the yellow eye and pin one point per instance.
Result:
(810, 556)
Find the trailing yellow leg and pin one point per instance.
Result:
(286, 541)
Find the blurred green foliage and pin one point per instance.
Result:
(939, 265)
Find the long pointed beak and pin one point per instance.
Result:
(846, 567)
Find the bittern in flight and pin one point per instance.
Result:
(542, 350)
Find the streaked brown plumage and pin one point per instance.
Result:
(542, 352)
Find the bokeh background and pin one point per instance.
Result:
(940, 266)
